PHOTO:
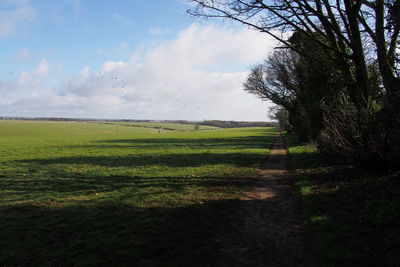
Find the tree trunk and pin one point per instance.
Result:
(391, 83)
(358, 58)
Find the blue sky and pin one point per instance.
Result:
(124, 59)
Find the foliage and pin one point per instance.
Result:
(320, 109)
(299, 84)
(237, 124)
(281, 115)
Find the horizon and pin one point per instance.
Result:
(128, 119)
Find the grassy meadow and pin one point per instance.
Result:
(75, 193)
(166, 126)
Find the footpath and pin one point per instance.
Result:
(267, 227)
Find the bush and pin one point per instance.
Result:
(364, 138)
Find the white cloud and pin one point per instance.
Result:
(198, 75)
(43, 68)
(204, 47)
(11, 20)
(109, 66)
(85, 72)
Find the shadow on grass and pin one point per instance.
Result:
(170, 160)
(116, 234)
(223, 143)
(113, 234)
(109, 232)
(101, 184)
(61, 174)
(350, 213)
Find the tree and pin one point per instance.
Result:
(313, 94)
(358, 37)
(281, 115)
(351, 32)
(300, 85)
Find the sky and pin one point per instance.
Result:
(125, 60)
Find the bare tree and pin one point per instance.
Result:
(275, 80)
(351, 32)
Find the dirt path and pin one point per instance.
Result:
(267, 226)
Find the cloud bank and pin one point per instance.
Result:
(197, 75)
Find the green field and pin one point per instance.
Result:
(166, 126)
(74, 193)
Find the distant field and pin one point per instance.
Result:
(90, 194)
(166, 126)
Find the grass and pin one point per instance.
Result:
(76, 193)
(351, 214)
(166, 126)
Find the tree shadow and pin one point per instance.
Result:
(67, 184)
(247, 142)
(61, 174)
(107, 231)
(113, 234)
(351, 213)
(169, 160)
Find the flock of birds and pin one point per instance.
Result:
(115, 83)
(101, 78)
(98, 79)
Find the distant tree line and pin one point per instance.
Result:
(336, 76)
